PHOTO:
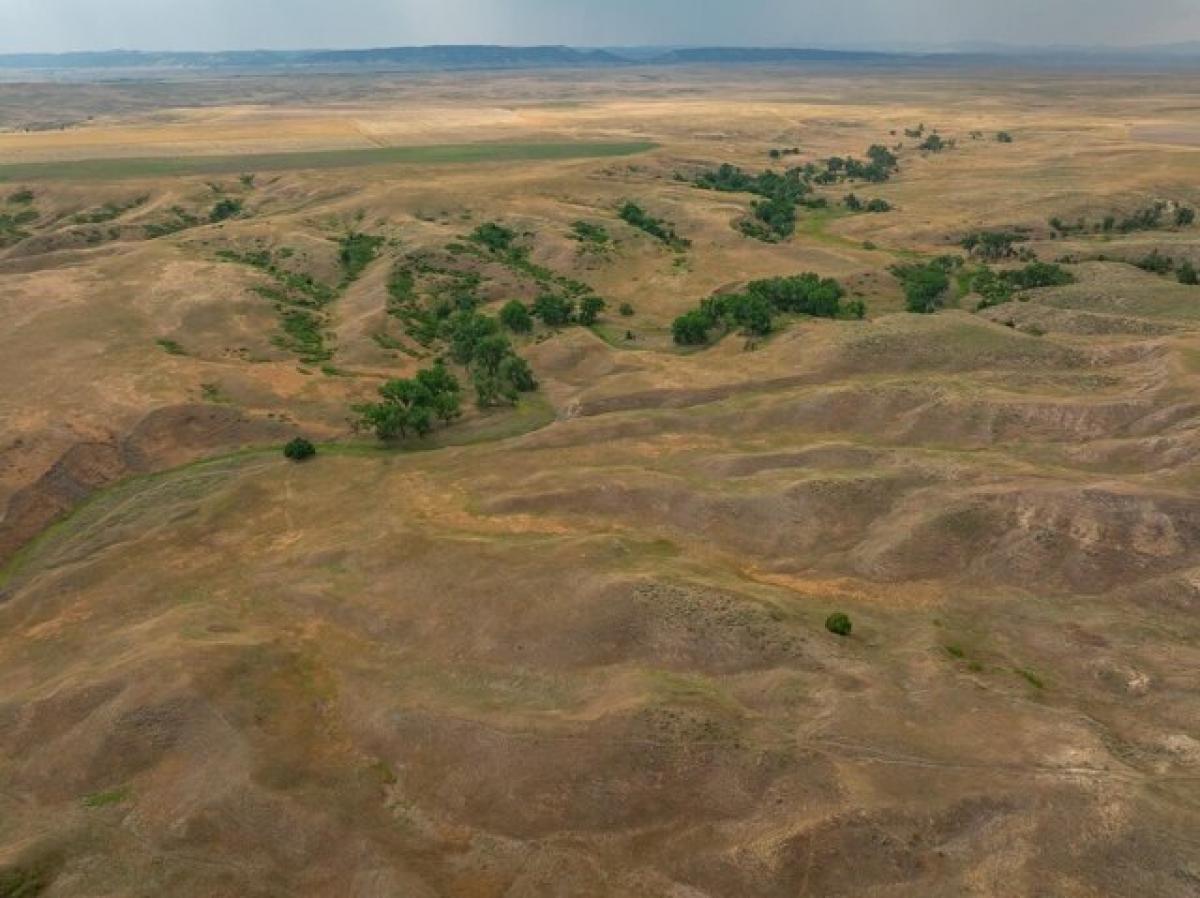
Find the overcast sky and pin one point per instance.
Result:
(57, 25)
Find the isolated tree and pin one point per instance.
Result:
(515, 316)
(839, 624)
(1187, 274)
(1184, 216)
(299, 449)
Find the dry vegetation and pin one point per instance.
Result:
(579, 646)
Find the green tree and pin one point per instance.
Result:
(691, 328)
(299, 449)
(515, 316)
(1187, 274)
(554, 310)
(839, 624)
(590, 308)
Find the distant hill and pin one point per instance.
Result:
(763, 55)
(455, 57)
(432, 58)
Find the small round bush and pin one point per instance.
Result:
(300, 449)
(839, 624)
(626, 309)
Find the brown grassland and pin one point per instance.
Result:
(577, 647)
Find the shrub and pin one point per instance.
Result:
(839, 624)
(633, 214)
(626, 310)
(586, 232)
(1187, 274)
(1184, 216)
(494, 236)
(357, 252)
(299, 449)
(225, 209)
(515, 316)
(1156, 263)
(1004, 137)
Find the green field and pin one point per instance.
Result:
(439, 154)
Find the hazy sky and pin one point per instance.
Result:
(55, 25)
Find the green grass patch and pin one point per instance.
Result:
(107, 799)
(438, 154)
(1030, 677)
(170, 347)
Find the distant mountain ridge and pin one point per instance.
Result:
(483, 56)
(451, 57)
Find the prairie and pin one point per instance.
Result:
(577, 645)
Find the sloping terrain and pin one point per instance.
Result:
(577, 647)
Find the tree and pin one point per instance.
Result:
(490, 352)
(590, 308)
(852, 202)
(691, 328)
(1004, 137)
(626, 310)
(554, 310)
(924, 286)
(515, 316)
(839, 624)
(299, 449)
(412, 404)
(1187, 274)
(752, 313)
(1184, 216)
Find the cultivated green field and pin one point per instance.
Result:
(441, 154)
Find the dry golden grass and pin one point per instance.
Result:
(579, 649)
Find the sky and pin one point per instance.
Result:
(63, 25)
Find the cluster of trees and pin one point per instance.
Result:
(935, 143)
(854, 204)
(553, 310)
(879, 166)
(774, 216)
(1157, 263)
(633, 214)
(784, 151)
(926, 283)
(992, 246)
(997, 287)
(1148, 218)
(412, 405)
(753, 310)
